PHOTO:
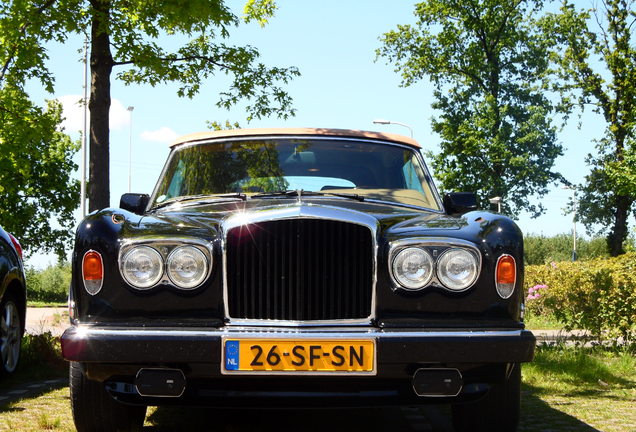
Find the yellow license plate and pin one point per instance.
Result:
(346, 356)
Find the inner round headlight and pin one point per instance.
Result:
(457, 269)
(413, 268)
(142, 267)
(187, 267)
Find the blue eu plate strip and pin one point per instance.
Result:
(231, 355)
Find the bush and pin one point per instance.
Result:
(597, 295)
(539, 249)
(50, 284)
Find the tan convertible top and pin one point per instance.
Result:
(204, 136)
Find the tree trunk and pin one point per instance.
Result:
(99, 105)
(617, 236)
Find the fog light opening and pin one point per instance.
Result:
(437, 382)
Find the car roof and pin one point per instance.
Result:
(347, 133)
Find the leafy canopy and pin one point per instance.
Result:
(36, 190)
(595, 65)
(138, 32)
(487, 64)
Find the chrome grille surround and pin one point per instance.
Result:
(299, 210)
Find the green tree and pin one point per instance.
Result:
(37, 193)
(595, 62)
(132, 34)
(487, 64)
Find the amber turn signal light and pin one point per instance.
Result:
(92, 272)
(506, 275)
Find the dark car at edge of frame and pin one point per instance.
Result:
(293, 267)
(12, 302)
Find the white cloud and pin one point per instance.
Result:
(73, 113)
(163, 134)
(119, 115)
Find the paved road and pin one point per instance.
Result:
(40, 320)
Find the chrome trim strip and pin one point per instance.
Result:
(301, 210)
(86, 331)
(397, 245)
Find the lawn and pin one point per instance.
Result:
(564, 389)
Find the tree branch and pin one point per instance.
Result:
(22, 31)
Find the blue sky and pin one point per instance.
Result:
(342, 86)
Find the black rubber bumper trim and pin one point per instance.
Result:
(397, 346)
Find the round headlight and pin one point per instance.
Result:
(142, 267)
(187, 267)
(457, 269)
(413, 268)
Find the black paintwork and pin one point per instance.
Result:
(12, 274)
(427, 328)
(477, 307)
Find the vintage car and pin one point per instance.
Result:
(295, 267)
(12, 301)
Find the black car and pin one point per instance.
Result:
(297, 265)
(12, 301)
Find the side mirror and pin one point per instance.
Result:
(458, 203)
(134, 202)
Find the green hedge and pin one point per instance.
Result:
(50, 284)
(596, 295)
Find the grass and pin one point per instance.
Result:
(40, 359)
(543, 322)
(564, 389)
(40, 304)
(580, 388)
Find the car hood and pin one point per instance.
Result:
(212, 216)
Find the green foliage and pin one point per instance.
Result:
(595, 66)
(540, 249)
(134, 35)
(50, 284)
(37, 192)
(597, 295)
(488, 64)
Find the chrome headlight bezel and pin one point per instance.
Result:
(151, 254)
(425, 263)
(201, 274)
(165, 247)
(435, 247)
(443, 262)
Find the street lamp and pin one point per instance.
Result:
(84, 133)
(496, 200)
(130, 110)
(575, 203)
(386, 122)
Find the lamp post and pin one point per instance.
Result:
(130, 110)
(387, 122)
(575, 204)
(496, 200)
(84, 133)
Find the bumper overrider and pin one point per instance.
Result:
(177, 365)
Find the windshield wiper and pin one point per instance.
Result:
(300, 193)
(202, 198)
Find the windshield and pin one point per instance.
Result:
(374, 171)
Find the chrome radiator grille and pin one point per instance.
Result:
(299, 270)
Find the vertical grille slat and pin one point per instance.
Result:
(299, 270)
